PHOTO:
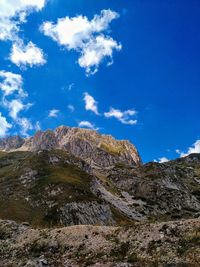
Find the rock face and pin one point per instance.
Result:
(100, 151)
(11, 143)
(86, 213)
(168, 190)
(52, 187)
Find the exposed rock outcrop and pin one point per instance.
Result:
(77, 176)
(99, 151)
(86, 213)
(53, 187)
(11, 143)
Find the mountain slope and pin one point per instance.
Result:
(48, 188)
(54, 178)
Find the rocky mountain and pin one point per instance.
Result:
(100, 151)
(74, 176)
(11, 143)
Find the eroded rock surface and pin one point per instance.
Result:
(143, 245)
(100, 151)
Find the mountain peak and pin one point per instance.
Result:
(96, 149)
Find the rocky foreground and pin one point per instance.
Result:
(174, 244)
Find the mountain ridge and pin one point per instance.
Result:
(98, 150)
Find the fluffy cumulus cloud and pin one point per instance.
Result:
(53, 113)
(87, 124)
(11, 8)
(12, 14)
(24, 55)
(195, 148)
(4, 126)
(13, 100)
(124, 117)
(90, 103)
(86, 37)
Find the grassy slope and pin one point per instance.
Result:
(29, 202)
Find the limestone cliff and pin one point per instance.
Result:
(100, 151)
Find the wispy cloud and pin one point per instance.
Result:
(71, 108)
(14, 100)
(122, 116)
(90, 103)
(37, 126)
(87, 124)
(86, 37)
(15, 106)
(53, 113)
(4, 126)
(71, 86)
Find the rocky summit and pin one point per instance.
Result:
(99, 151)
(74, 197)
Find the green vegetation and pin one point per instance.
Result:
(189, 241)
(133, 257)
(120, 252)
(113, 150)
(32, 189)
(121, 219)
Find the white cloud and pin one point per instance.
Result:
(11, 83)
(8, 29)
(71, 108)
(4, 126)
(13, 100)
(195, 148)
(70, 87)
(15, 106)
(95, 51)
(91, 103)
(11, 8)
(26, 125)
(12, 14)
(87, 124)
(86, 37)
(23, 55)
(123, 116)
(162, 160)
(53, 113)
(37, 126)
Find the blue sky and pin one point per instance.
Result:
(149, 93)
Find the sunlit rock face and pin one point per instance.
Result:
(96, 149)
(11, 143)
